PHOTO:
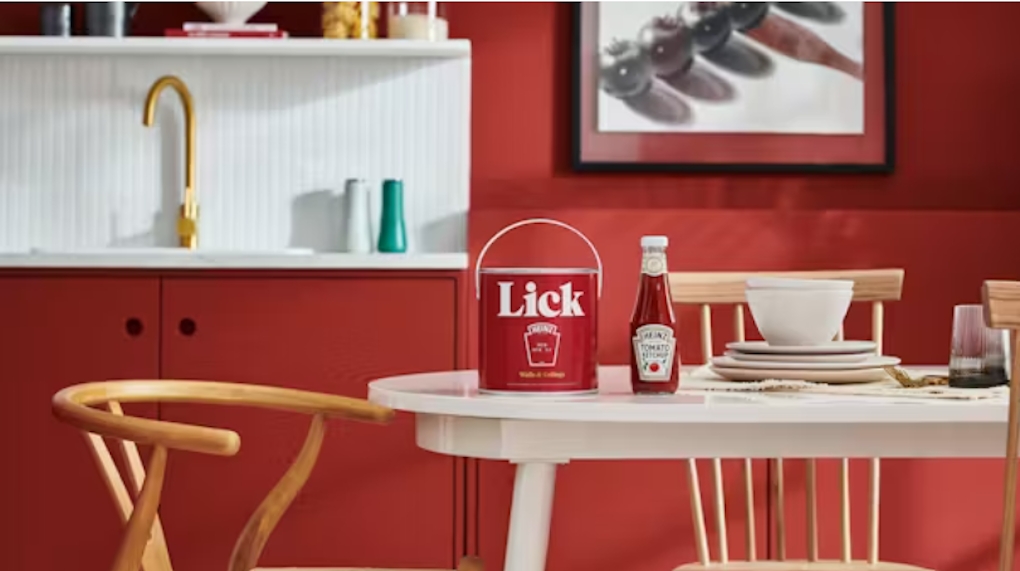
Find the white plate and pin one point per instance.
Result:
(760, 357)
(871, 362)
(834, 348)
(830, 377)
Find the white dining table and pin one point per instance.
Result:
(540, 433)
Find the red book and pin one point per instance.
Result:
(181, 33)
(218, 27)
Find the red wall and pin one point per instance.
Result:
(947, 214)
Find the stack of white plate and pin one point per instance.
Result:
(835, 362)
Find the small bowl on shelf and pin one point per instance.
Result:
(234, 13)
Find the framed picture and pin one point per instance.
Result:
(733, 86)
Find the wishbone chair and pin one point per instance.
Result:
(143, 544)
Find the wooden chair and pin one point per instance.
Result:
(1002, 311)
(144, 544)
(705, 289)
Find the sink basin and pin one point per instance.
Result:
(168, 251)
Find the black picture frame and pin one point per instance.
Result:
(887, 166)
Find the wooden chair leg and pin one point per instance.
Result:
(253, 539)
(139, 526)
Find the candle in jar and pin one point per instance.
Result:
(418, 27)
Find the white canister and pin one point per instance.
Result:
(418, 21)
(359, 229)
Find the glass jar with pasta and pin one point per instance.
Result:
(350, 20)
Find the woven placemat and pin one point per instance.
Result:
(704, 380)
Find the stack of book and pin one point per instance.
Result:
(215, 30)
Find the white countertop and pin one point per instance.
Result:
(173, 258)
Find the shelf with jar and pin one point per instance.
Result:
(407, 29)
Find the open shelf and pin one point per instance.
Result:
(50, 45)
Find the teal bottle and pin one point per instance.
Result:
(392, 230)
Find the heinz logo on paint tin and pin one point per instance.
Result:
(542, 343)
(561, 302)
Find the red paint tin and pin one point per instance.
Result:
(537, 326)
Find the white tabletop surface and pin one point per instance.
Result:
(453, 418)
(456, 393)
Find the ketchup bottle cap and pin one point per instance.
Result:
(654, 241)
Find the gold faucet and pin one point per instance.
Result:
(187, 221)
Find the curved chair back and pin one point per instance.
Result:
(95, 408)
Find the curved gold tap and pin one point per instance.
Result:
(187, 222)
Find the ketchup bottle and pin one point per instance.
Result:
(654, 362)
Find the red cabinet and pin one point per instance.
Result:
(58, 331)
(374, 499)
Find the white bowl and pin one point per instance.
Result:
(235, 13)
(796, 317)
(793, 283)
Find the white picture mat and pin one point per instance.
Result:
(798, 98)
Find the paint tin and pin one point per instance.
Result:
(537, 327)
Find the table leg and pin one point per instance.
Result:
(530, 514)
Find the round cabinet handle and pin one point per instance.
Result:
(134, 326)
(187, 327)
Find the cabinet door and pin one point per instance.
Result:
(59, 331)
(374, 498)
(633, 515)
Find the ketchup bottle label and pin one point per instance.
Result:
(654, 352)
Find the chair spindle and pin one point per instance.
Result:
(877, 329)
(698, 513)
(779, 507)
(873, 497)
(706, 334)
(844, 492)
(738, 322)
(752, 554)
(812, 509)
(720, 510)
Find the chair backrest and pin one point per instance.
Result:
(144, 543)
(1002, 311)
(705, 289)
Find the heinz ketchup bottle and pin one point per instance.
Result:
(654, 362)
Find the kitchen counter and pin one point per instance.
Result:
(172, 258)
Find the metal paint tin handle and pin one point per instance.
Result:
(527, 222)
